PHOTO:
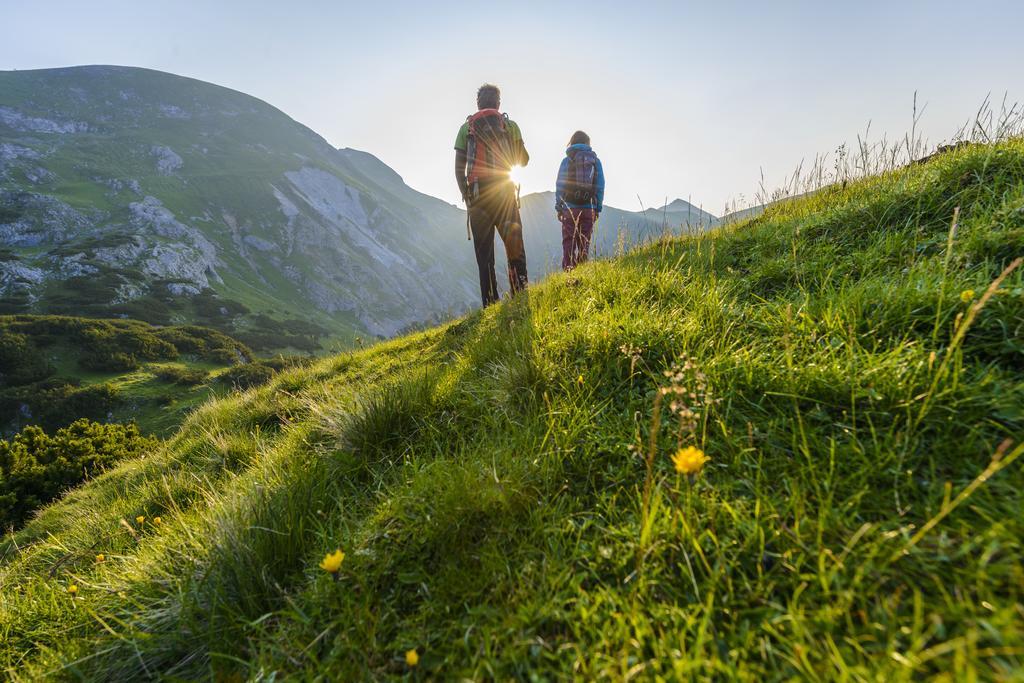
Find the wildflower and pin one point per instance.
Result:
(332, 561)
(141, 519)
(689, 460)
(101, 558)
(579, 380)
(412, 658)
(967, 296)
(157, 521)
(72, 590)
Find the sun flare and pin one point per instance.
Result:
(515, 174)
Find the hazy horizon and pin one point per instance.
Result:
(680, 102)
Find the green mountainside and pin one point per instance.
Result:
(503, 491)
(126, 191)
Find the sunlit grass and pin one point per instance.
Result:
(507, 505)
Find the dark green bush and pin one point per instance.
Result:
(55, 402)
(20, 361)
(242, 377)
(204, 342)
(36, 468)
(211, 308)
(184, 376)
(284, 362)
(16, 302)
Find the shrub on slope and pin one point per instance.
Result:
(483, 482)
(36, 467)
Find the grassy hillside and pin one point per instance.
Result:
(852, 366)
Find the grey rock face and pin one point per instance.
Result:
(38, 175)
(259, 244)
(30, 124)
(127, 292)
(187, 256)
(366, 253)
(174, 112)
(123, 254)
(42, 219)
(119, 185)
(177, 262)
(71, 266)
(181, 289)
(9, 152)
(167, 160)
(18, 277)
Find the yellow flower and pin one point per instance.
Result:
(157, 521)
(579, 380)
(100, 558)
(967, 296)
(141, 519)
(412, 658)
(689, 460)
(72, 589)
(332, 561)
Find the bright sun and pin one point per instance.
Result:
(516, 174)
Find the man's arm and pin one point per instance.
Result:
(600, 186)
(460, 174)
(522, 157)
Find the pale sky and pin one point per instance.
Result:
(681, 99)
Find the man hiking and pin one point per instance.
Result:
(579, 198)
(489, 144)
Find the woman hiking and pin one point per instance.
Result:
(579, 198)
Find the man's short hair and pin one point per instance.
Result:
(579, 138)
(488, 97)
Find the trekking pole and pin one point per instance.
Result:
(469, 233)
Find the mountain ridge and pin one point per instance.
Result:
(165, 187)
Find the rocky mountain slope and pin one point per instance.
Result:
(126, 191)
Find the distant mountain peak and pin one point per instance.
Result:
(678, 204)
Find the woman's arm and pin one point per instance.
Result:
(563, 173)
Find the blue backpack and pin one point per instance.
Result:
(581, 179)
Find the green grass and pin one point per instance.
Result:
(484, 481)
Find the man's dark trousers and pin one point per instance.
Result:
(495, 207)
